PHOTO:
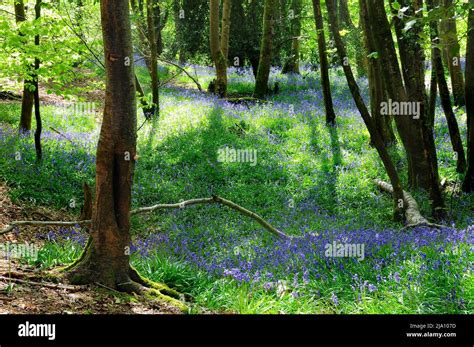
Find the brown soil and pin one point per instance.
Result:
(35, 297)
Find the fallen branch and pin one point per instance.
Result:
(182, 69)
(412, 212)
(14, 224)
(183, 204)
(44, 284)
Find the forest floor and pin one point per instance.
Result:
(311, 182)
(35, 297)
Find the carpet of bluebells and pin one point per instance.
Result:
(312, 183)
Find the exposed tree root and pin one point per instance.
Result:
(213, 199)
(412, 212)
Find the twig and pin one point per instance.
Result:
(60, 134)
(106, 287)
(184, 70)
(47, 285)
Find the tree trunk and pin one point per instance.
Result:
(433, 92)
(451, 50)
(377, 89)
(292, 65)
(106, 257)
(416, 136)
(373, 131)
(220, 63)
(153, 57)
(344, 15)
(28, 94)
(39, 127)
(226, 10)
(353, 37)
(453, 128)
(266, 47)
(323, 62)
(468, 184)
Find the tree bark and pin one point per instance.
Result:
(353, 37)
(153, 57)
(226, 10)
(468, 184)
(266, 47)
(324, 65)
(398, 196)
(28, 94)
(444, 95)
(451, 51)
(407, 86)
(220, 63)
(292, 65)
(106, 256)
(377, 89)
(39, 126)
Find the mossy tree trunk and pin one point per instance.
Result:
(323, 64)
(266, 48)
(106, 257)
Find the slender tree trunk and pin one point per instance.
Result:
(226, 10)
(468, 184)
(28, 94)
(292, 65)
(266, 48)
(433, 92)
(344, 15)
(39, 126)
(377, 89)
(216, 51)
(153, 57)
(373, 131)
(324, 65)
(353, 37)
(451, 49)
(160, 23)
(453, 128)
(106, 257)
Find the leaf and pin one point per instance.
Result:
(343, 32)
(373, 55)
(409, 25)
